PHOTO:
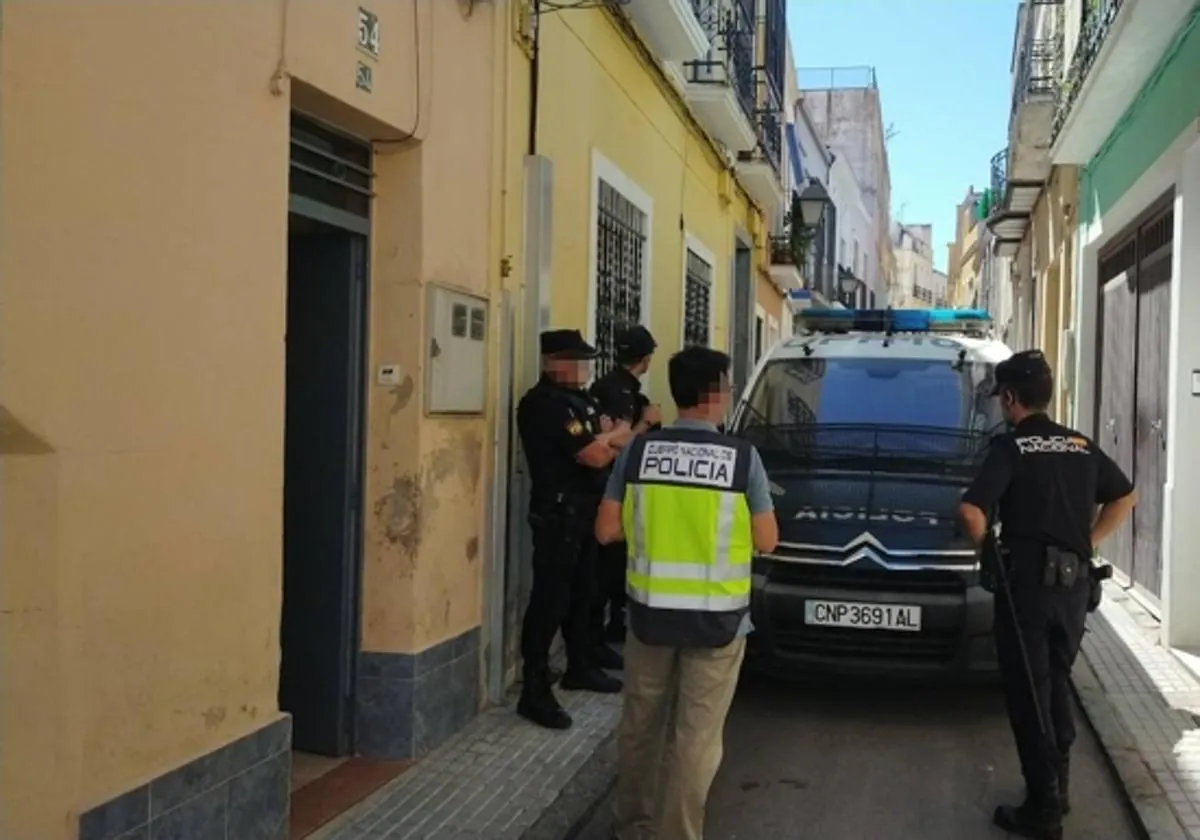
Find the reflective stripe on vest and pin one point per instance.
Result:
(690, 547)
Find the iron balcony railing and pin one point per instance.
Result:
(769, 118)
(1098, 18)
(1039, 70)
(731, 59)
(992, 201)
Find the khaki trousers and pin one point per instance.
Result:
(670, 739)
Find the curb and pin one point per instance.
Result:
(580, 799)
(1155, 817)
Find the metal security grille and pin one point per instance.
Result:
(697, 297)
(620, 246)
(330, 168)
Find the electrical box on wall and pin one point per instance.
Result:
(456, 364)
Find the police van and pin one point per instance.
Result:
(871, 424)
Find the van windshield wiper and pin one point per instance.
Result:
(873, 447)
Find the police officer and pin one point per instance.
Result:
(568, 452)
(1046, 481)
(619, 393)
(697, 505)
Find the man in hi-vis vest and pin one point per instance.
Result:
(693, 505)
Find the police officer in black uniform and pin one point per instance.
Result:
(619, 393)
(568, 453)
(1045, 482)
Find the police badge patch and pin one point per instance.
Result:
(575, 427)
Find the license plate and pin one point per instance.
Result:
(862, 616)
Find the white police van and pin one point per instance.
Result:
(871, 424)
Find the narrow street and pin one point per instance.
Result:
(846, 762)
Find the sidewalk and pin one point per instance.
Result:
(494, 780)
(1144, 704)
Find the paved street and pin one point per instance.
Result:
(889, 763)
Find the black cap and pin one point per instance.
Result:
(634, 344)
(567, 344)
(1026, 366)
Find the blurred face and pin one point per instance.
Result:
(573, 372)
(716, 403)
(639, 370)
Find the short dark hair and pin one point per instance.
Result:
(1034, 393)
(694, 373)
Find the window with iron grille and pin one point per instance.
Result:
(697, 301)
(621, 229)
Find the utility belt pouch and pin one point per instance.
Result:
(1063, 568)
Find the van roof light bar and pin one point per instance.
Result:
(975, 322)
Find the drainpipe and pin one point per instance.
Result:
(534, 76)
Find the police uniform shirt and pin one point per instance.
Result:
(758, 487)
(555, 423)
(1047, 480)
(619, 393)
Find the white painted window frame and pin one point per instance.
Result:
(603, 168)
(691, 243)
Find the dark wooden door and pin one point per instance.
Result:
(327, 272)
(1116, 383)
(1153, 347)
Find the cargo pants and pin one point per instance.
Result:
(670, 740)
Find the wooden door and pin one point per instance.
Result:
(1153, 347)
(1116, 384)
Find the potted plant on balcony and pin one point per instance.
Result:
(791, 247)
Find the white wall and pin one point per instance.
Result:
(854, 225)
(812, 148)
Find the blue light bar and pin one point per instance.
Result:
(968, 321)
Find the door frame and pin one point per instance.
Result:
(358, 409)
(1131, 231)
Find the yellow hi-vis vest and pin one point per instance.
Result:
(687, 526)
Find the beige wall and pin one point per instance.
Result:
(143, 210)
(1052, 241)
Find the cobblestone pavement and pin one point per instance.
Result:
(1156, 698)
(491, 781)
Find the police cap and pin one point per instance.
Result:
(567, 344)
(635, 343)
(1019, 368)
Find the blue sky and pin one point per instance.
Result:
(943, 73)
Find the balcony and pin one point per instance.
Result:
(1035, 95)
(785, 263)
(760, 169)
(1120, 43)
(719, 87)
(1010, 206)
(672, 28)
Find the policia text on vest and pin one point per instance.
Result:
(675, 461)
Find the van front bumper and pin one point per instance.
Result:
(955, 635)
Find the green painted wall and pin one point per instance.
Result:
(1167, 103)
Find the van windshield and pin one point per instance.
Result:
(879, 408)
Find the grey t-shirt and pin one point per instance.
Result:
(758, 489)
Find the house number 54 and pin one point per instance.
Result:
(368, 32)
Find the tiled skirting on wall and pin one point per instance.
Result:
(239, 790)
(410, 703)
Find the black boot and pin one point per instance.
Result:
(539, 705)
(590, 679)
(1032, 819)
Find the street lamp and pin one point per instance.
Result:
(848, 284)
(811, 203)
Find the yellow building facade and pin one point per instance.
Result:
(652, 219)
(1052, 244)
(964, 254)
(242, 511)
